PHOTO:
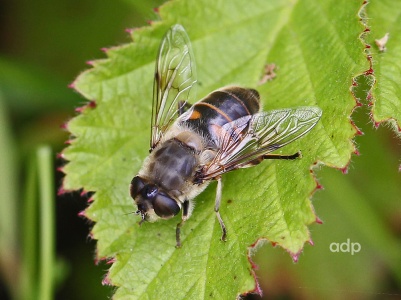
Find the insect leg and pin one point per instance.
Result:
(183, 106)
(258, 160)
(185, 207)
(279, 156)
(217, 207)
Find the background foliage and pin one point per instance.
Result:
(40, 58)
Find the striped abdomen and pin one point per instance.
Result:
(220, 107)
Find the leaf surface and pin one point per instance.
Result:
(315, 48)
(385, 18)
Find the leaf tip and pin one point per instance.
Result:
(369, 71)
(318, 187)
(71, 85)
(64, 125)
(60, 155)
(295, 256)
(82, 214)
(90, 105)
(106, 280)
(91, 236)
(61, 191)
(129, 30)
(83, 193)
(60, 169)
(90, 63)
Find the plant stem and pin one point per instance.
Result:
(46, 192)
(29, 234)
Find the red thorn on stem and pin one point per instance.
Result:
(344, 170)
(356, 152)
(367, 29)
(295, 257)
(311, 242)
(274, 244)
(377, 124)
(82, 214)
(156, 10)
(71, 85)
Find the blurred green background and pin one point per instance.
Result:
(44, 46)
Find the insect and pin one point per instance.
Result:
(192, 145)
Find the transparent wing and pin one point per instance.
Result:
(175, 75)
(248, 138)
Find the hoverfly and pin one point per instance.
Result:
(192, 145)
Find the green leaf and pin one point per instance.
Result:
(364, 213)
(384, 18)
(315, 48)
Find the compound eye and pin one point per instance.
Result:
(150, 191)
(165, 207)
(137, 185)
